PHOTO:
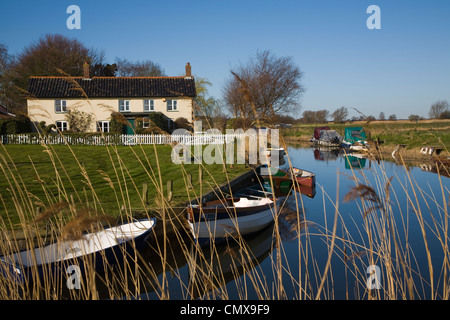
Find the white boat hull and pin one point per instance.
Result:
(219, 229)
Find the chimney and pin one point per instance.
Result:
(188, 69)
(86, 70)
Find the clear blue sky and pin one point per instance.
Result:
(401, 69)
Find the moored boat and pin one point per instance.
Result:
(316, 135)
(106, 246)
(272, 151)
(219, 219)
(355, 139)
(303, 177)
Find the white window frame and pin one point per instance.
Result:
(103, 126)
(145, 122)
(149, 105)
(61, 105)
(173, 104)
(124, 105)
(62, 125)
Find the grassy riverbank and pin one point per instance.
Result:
(109, 180)
(414, 134)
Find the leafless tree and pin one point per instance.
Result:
(51, 55)
(340, 114)
(145, 68)
(319, 116)
(264, 87)
(438, 108)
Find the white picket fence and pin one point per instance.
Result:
(123, 139)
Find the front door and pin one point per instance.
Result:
(130, 126)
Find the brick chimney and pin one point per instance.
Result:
(86, 70)
(188, 70)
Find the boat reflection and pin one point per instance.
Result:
(216, 266)
(326, 154)
(354, 161)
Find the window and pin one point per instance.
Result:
(124, 105)
(103, 126)
(62, 125)
(60, 106)
(170, 124)
(149, 105)
(145, 122)
(172, 105)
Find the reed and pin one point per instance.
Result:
(384, 236)
(383, 240)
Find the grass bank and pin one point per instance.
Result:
(108, 179)
(414, 134)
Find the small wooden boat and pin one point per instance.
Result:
(108, 245)
(220, 219)
(269, 151)
(303, 177)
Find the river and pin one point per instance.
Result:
(378, 245)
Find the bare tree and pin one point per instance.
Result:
(319, 116)
(51, 55)
(340, 115)
(265, 86)
(145, 68)
(438, 108)
(392, 117)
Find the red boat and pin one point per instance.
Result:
(303, 177)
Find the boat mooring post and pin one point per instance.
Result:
(169, 190)
(145, 192)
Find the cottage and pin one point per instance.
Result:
(50, 98)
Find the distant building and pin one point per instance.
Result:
(134, 97)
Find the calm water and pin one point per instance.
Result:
(347, 276)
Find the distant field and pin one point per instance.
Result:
(414, 134)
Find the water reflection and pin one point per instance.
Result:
(190, 272)
(217, 266)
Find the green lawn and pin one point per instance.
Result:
(103, 178)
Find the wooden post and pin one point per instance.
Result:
(200, 174)
(200, 178)
(169, 190)
(189, 181)
(145, 192)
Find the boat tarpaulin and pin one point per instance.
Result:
(318, 130)
(354, 134)
(331, 136)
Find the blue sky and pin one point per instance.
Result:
(401, 69)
